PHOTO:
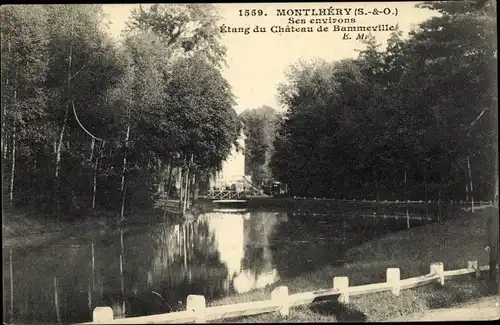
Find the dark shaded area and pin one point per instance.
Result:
(458, 291)
(441, 211)
(308, 242)
(171, 260)
(163, 264)
(341, 312)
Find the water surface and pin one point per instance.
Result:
(152, 269)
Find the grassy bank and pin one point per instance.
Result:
(452, 242)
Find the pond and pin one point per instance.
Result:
(150, 270)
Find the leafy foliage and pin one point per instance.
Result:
(82, 111)
(261, 124)
(422, 105)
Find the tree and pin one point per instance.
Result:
(408, 107)
(196, 124)
(260, 126)
(24, 68)
(199, 102)
(184, 28)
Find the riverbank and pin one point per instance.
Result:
(21, 230)
(441, 211)
(453, 242)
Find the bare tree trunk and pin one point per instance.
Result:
(169, 181)
(92, 146)
(13, 167)
(13, 152)
(63, 129)
(89, 299)
(470, 186)
(94, 183)
(6, 147)
(161, 183)
(4, 112)
(184, 245)
(11, 288)
(123, 204)
(195, 186)
(93, 265)
(182, 172)
(186, 193)
(468, 193)
(58, 160)
(127, 135)
(5, 139)
(122, 279)
(60, 144)
(170, 169)
(189, 184)
(96, 167)
(56, 302)
(189, 191)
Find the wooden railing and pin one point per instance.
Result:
(225, 195)
(280, 301)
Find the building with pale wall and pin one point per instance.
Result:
(233, 168)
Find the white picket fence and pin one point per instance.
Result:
(197, 312)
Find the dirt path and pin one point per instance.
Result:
(482, 309)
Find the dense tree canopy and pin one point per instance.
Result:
(260, 128)
(86, 120)
(425, 105)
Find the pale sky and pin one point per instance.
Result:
(257, 61)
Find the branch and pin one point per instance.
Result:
(477, 118)
(83, 66)
(84, 129)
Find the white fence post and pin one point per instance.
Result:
(341, 284)
(280, 296)
(475, 266)
(393, 277)
(102, 315)
(438, 268)
(196, 304)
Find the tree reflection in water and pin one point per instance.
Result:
(307, 242)
(303, 244)
(143, 271)
(184, 259)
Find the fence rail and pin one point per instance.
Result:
(365, 215)
(459, 202)
(197, 312)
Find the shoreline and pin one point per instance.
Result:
(453, 242)
(21, 230)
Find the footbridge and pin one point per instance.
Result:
(249, 190)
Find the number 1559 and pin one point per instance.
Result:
(251, 12)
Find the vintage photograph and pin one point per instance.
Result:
(249, 162)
